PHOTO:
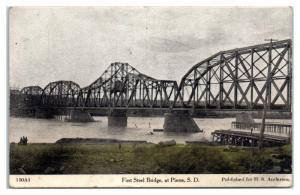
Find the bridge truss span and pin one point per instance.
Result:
(32, 90)
(60, 94)
(30, 96)
(121, 85)
(230, 80)
(237, 79)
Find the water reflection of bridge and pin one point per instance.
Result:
(228, 82)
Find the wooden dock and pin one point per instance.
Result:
(243, 138)
(271, 128)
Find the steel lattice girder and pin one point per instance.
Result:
(233, 79)
(31, 95)
(121, 85)
(60, 94)
(32, 90)
(237, 79)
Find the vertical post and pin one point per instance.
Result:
(269, 83)
(197, 94)
(221, 82)
(122, 87)
(194, 88)
(152, 90)
(140, 94)
(143, 93)
(235, 80)
(252, 79)
(161, 98)
(207, 99)
(135, 92)
(151, 96)
(111, 82)
(262, 129)
(182, 94)
(127, 87)
(289, 77)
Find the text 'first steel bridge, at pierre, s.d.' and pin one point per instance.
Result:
(228, 81)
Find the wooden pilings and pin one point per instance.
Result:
(269, 127)
(242, 138)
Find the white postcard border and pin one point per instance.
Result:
(150, 180)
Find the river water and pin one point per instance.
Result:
(51, 130)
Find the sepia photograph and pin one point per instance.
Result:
(150, 96)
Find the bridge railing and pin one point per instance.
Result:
(271, 128)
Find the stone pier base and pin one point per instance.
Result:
(180, 121)
(80, 116)
(117, 118)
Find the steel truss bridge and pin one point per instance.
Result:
(236, 79)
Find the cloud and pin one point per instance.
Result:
(77, 43)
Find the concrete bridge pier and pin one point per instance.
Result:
(180, 121)
(77, 115)
(117, 118)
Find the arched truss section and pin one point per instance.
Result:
(31, 95)
(32, 90)
(60, 94)
(121, 85)
(237, 79)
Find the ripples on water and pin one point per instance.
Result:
(47, 131)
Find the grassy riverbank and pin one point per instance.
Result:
(145, 159)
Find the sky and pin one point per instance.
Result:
(47, 44)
